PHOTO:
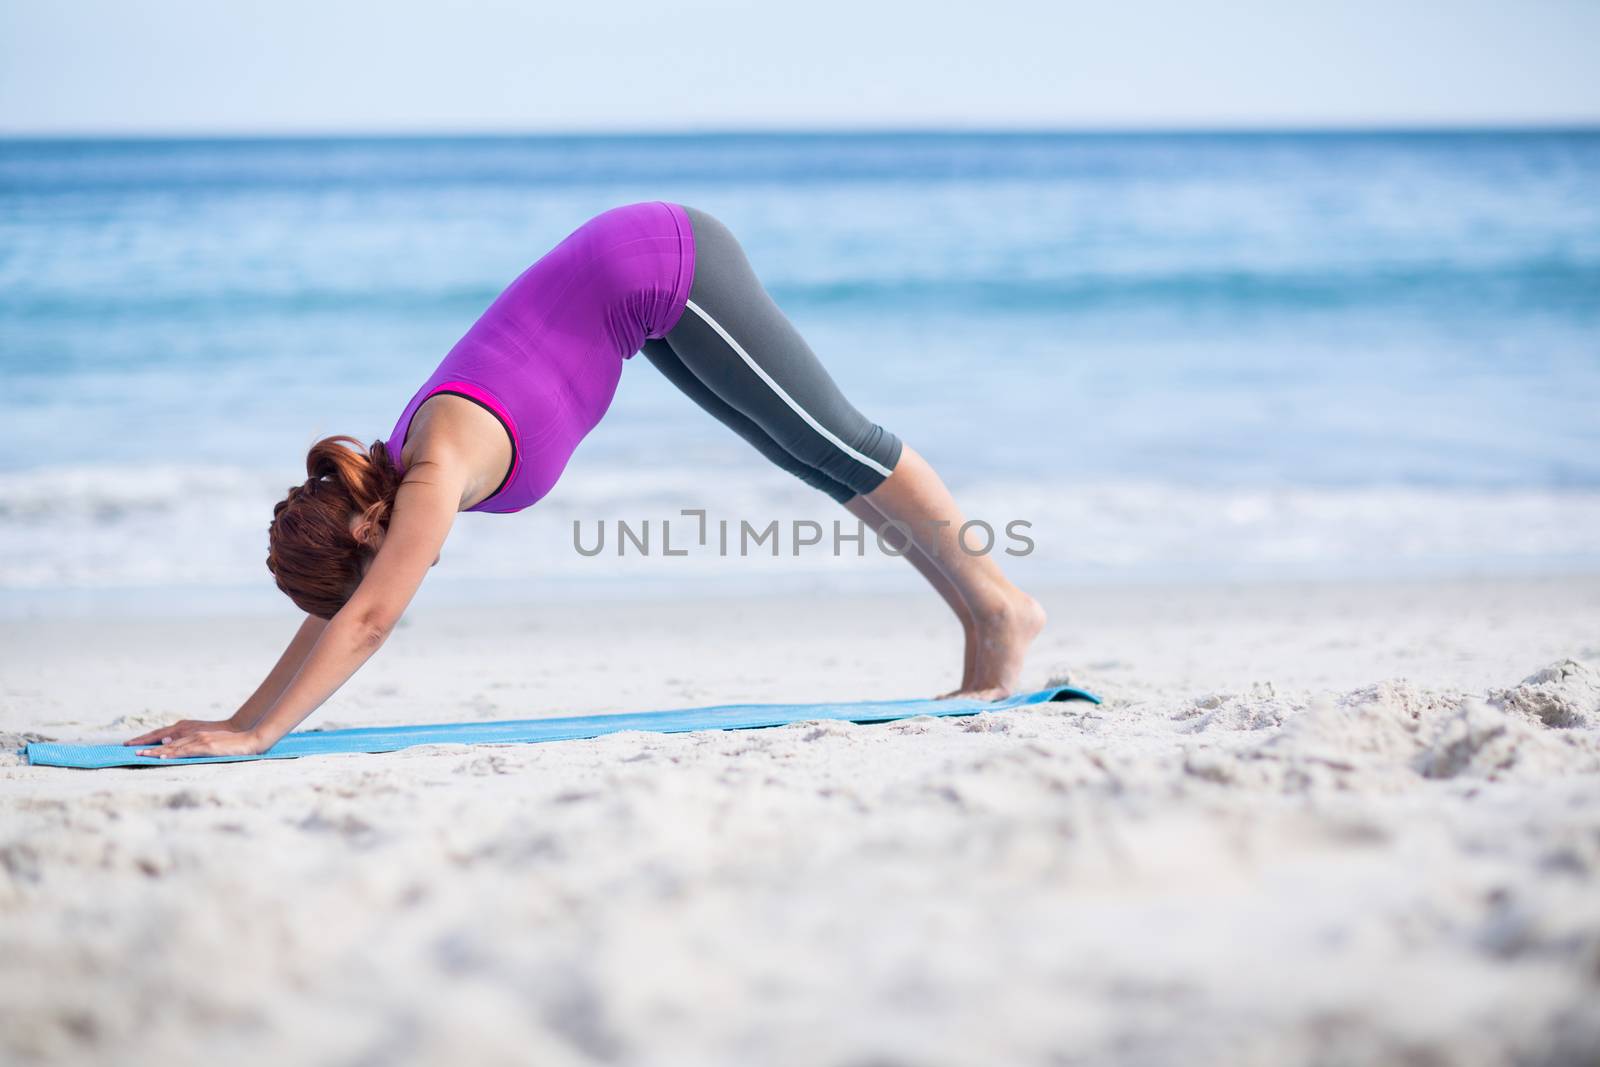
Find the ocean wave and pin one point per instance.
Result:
(203, 526)
(1539, 284)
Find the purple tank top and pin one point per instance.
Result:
(546, 357)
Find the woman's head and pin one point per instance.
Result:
(326, 531)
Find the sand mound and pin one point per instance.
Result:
(1563, 695)
(1382, 737)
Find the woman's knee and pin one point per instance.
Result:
(860, 460)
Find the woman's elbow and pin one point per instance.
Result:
(372, 626)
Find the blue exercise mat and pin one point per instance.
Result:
(572, 728)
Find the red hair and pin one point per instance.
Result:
(312, 553)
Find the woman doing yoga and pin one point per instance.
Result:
(495, 425)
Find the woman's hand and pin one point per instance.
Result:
(224, 742)
(179, 730)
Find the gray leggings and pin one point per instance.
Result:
(736, 355)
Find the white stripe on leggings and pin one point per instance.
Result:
(787, 399)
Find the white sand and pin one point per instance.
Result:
(1310, 824)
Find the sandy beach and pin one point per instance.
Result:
(1311, 823)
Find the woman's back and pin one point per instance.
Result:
(547, 355)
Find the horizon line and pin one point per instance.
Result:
(286, 133)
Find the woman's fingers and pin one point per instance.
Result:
(177, 747)
(205, 743)
(172, 733)
(160, 734)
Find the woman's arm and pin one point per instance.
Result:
(424, 510)
(300, 645)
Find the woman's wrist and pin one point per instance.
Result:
(264, 736)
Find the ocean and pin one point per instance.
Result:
(1234, 356)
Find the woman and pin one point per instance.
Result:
(494, 426)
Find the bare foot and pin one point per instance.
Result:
(1003, 640)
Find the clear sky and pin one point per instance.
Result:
(194, 66)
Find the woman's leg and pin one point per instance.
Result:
(879, 524)
(661, 355)
(1005, 619)
(742, 348)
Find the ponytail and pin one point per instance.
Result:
(312, 553)
(368, 479)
